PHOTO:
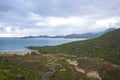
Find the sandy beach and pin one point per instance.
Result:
(22, 53)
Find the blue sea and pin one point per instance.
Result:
(17, 44)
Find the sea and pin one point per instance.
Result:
(18, 44)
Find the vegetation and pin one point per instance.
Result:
(100, 55)
(31, 67)
(106, 47)
(112, 75)
(40, 64)
(14, 72)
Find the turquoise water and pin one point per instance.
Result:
(15, 44)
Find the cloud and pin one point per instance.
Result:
(1, 24)
(19, 32)
(61, 21)
(57, 17)
(35, 17)
(8, 29)
(106, 23)
(58, 26)
(76, 7)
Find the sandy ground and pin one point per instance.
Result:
(94, 74)
(22, 53)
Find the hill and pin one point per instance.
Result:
(106, 47)
(10, 71)
(89, 35)
(84, 35)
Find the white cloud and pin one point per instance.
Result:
(56, 17)
(34, 16)
(105, 23)
(77, 21)
(39, 25)
(60, 26)
(18, 32)
(55, 21)
(61, 21)
(8, 29)
(1, 24)
(25, 31)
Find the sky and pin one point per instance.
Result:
(57, 17)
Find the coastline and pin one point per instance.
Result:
(21, 52)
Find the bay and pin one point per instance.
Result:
(17, 44)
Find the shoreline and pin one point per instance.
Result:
(14, 50)
(19, 52)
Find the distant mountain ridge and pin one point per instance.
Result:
(84, 35)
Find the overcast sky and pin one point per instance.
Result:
(57, 17)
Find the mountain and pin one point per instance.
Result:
(88, 35)
(106, 47)
(110, 29)
(84, 35)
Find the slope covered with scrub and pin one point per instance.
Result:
(106, 47)
(14, 72)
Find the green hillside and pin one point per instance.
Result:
(106, 47)
(14, 72)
